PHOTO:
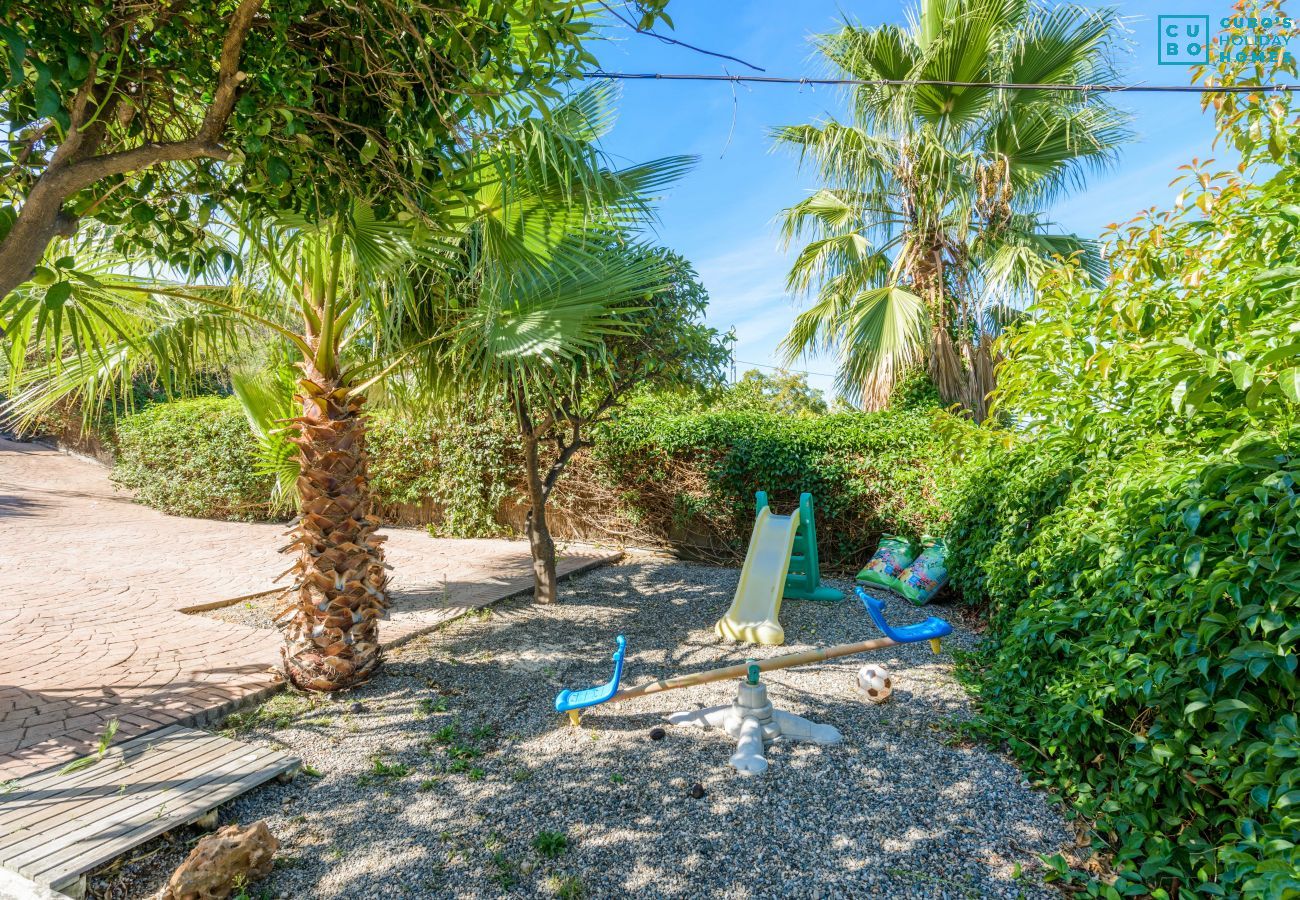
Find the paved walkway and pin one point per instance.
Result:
(91, 585)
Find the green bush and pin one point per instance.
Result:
(1142, 650)
(692, 477)
(684, 478)
(192, 458)
(464, 467)
(1139, 543)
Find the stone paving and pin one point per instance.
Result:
(91, 588)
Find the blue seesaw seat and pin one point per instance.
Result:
(933, 627)
(568, 700)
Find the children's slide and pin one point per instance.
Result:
(753, 614)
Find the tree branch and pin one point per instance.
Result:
(229, 77)
(81, 175)
(72, 167)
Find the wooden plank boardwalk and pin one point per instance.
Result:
(55, 828)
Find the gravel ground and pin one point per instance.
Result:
(450, 775)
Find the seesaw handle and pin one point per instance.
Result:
(931, 629)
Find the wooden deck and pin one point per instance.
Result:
(56, 828)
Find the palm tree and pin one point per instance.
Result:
(539, 332)
(929, 230)
(341, 295)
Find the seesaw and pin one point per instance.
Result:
(751, 719)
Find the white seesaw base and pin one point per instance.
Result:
(754, 724)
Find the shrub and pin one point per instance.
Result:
(1142, 655)
(661, 472)
(192, 458)
(464, 467)
(692, 477)
(1139, 543)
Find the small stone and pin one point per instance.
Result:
(357, 707)
(696, 791)
(657, 734)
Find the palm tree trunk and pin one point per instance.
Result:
(540, 543)
(945, 367)
(331, 640)
(980, 379)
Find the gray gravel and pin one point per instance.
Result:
(901, 809)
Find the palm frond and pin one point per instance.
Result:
(266, 398)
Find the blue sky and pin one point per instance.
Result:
(721, 216)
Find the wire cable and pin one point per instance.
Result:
(992, 85)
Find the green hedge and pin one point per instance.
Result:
(684, 478)
(197, 457)
(1142, 650)
(463, 467)
(693, 476)
(192, 458)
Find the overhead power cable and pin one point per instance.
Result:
(674, 41)
(760, 365)
(992, 85)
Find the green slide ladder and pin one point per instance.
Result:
(804, 580)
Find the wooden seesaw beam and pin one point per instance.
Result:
(740, 670)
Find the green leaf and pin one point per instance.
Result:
(1193, 558)
(1289, 381)
(58, 293)
(1243, 374)
(77, 765)
(277, 171)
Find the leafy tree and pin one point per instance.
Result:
(787, 393)
(148, 116)
(929, 231)
(341, 294)
(639, 312)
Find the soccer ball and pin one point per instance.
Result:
(875, 683)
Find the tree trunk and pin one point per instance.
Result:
(39, 222)
(545, 583)
(331, 640)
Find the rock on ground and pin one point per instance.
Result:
(224, 862)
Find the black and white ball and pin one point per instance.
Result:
(875, 683)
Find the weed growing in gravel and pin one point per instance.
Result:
(427, 784)
(278, 712)
(521, 775)
(445, 735)
(463, 751)
(617, 778)
(380, 769)
(551, 843)
(482, 732)
(476, 774)
(507, 871)
(430, 705)
(567, 887)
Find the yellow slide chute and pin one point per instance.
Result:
(753, 614)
